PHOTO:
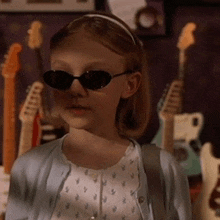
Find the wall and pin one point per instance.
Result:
(202, 67)
(202, 70)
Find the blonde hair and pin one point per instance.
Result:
(133, 114)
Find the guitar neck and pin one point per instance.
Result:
(182, 59)
(26, 136)
(167, 135)
(9, 142)
(39, 63)
(181, 75)
(45, 95)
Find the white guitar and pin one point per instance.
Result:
(27, 115)
(207, 205)
(4, 189)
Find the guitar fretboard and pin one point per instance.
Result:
(25, 143)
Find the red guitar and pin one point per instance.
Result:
(9, 71)
(51, 128)
(35, 41)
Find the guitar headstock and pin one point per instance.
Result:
(170, 104)
(12, 65)
(35, 36)
(32, 103)
(186, 38)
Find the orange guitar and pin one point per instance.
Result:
(9, 71)
(27, 116)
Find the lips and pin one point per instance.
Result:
(78, 107)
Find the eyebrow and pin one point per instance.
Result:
(99, 63)
(60, 62)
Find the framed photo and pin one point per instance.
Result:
(143, 16)
(47, 5)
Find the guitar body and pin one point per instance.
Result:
(207, 205)
(185, 132)
(187, 158)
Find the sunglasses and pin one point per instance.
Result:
(93, 80)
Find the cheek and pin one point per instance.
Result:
(107, 101)
(59, 98)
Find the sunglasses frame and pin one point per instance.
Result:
(69, 78)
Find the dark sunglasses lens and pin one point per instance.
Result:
(95, 79)
(58, 79)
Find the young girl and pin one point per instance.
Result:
(101, 89)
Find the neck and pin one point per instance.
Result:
(81, 137)
(94, 151)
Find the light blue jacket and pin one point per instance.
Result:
(37, 178)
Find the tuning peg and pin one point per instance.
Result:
(28, 89)
(159, 105)
(29, 31)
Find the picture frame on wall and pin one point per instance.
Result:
(144, 17)
(46, 5)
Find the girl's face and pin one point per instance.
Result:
(92, 110)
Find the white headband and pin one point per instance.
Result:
(114, 21)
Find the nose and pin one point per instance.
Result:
(77, 89)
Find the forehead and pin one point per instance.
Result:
(83, 47)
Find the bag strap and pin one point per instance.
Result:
(155, 179)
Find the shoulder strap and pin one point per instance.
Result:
(155, 179)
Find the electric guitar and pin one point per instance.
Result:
(4, 189)
(9, 71)
(207, 205)
(27, 115)
(185, 125)
(168, 107)
(35, 41)
(47, 124)
(187, 150)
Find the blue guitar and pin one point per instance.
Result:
(178, 133)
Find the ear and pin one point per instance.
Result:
(132, 84)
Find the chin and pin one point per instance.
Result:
(78, 123)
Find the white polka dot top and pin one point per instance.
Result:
(101, 194)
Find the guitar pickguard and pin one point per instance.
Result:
(187, 128)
